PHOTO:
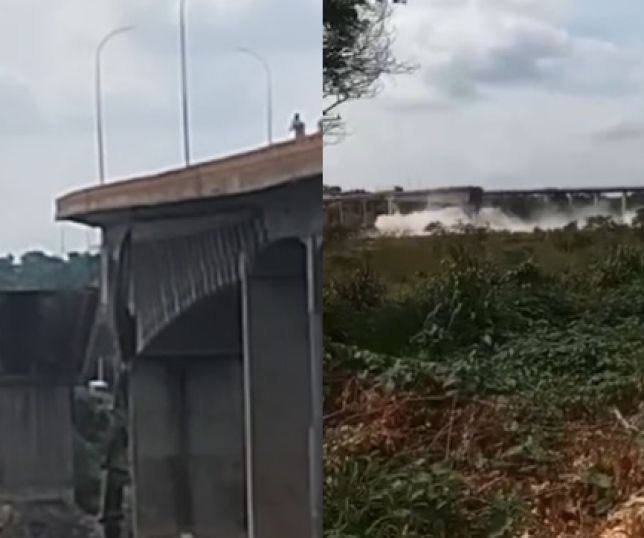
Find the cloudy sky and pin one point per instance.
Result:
(508, 93)
(47, 137)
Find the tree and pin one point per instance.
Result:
(357, 53)
(38, 270)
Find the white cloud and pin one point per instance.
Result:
(21, 113)
(47, 92)
(463, 49)
(508, 94)
(520, 137)
(625, 131)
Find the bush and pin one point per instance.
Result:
(92, 421)
(368, 497)
(582, 367)
(506, 349)
(622, 264)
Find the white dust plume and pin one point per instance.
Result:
(455, 218)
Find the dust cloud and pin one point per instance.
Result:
(455, 218)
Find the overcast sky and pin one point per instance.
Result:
(509, 93)
(47, 137)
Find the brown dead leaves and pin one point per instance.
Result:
(595, 468)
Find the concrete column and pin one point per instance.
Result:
(341, 213)
(596, 200)
(188, 427)
(624, 204)
(104, 273)
(36, 452)
(365, 215)
(391, 206)
(314, 282)
(280, 335)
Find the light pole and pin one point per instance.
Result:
(269, 89)
(100, 139)
(185, 107)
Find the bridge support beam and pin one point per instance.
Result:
(283, 401)
(187, 422)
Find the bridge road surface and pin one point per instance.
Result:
(211, 277)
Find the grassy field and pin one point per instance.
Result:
(484, 384)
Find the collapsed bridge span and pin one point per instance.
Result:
(361, 209)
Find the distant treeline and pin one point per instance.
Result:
(38, 270)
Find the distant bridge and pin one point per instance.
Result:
(360, 209)
(574, 191)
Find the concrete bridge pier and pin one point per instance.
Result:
(282, 390)
(391, 206)
(226, 407)
(365, 213)
(36, 452)
(624, 206)
(42, 343)
(186, 422)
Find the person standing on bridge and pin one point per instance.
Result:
(298, 126)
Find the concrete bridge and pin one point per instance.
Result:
(43, 337)
(361, 209)
(619, 199)
(211, 292)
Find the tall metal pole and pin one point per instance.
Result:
(269, 89)
(185, 106)
(100, 137)
(62, 241)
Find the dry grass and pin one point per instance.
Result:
(593, 466)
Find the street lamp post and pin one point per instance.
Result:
(269, 89)
(185, 107)
(100, 138)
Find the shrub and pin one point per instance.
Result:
(369, 497)
(622, 264)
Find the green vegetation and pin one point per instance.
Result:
(37, 270)
(92, 421)
(483, 384)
